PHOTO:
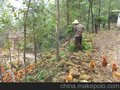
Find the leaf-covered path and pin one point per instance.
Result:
(105, 43)
(108, 43)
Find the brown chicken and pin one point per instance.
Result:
(104, 61)
(69, 78)
(92, 64)
(114, 67)
(2, 69)
(116, 75)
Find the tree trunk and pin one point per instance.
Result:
(1, 73)
(109, 14)
(18, 51)
(99, 13)
(35, 52)
(92, 16)
(67, 4)
(34, 40)
(18, 48)
(88, 18)
(24, 57)
(103, 25)
(79, 10)
(57, 29)
(25, 27)
(10, 58)
(96, 27)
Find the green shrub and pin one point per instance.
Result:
(69, 31)
(62, 53)
(71, 48)
(87, 46)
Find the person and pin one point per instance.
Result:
(118, 21)
(78, 29)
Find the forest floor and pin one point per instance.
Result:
(104, 43)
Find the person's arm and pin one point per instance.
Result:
(83, 27)
(74, 29)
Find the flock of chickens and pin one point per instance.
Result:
(19, 75)
(16, 76)
(104, 64)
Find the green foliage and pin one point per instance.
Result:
(71, 48)
(37, 77)
(7, 45)
(87, 42)
(87, 46)
(103, 19)
(62, 53)
(69, 32)
(69, 29)
(20, 45)
(42, 74)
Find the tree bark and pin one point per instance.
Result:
(88, 18)
(34, 40)
(57, 29)
(67, 4)
(24, 57)
(99, 13)
(96, 27)
(18, 51)
(25, 27)
(109, 14)
(79, 10)
(1, 72)
(9, 49)
(92, 16)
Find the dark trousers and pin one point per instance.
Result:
(78, 43)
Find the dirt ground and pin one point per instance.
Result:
(106, 43)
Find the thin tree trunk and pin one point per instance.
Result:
(35, 52)
(99, 13)
(109, 14)
(92, 20)
(57, 29)
(18, 44)
(34, 39)
(88, 18)
(37, 47)
(68, 17)
(96, 26)
(67, 4)
(10, 58)
(92, 16)
(79, 10)
(25, 46)
(25, 27)
(18, 51)
(1, 72)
